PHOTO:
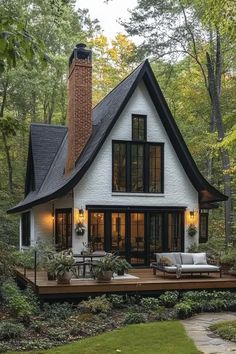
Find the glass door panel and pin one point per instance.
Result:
(118, 232)
(174, 232)
(96, 231)
(137, 238)
(63, 225)
(156, 235)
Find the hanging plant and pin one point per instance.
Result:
(80, 229)
(192, 230)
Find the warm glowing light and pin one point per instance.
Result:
(191, 217)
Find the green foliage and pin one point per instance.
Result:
(150, 303)
(134, 317)
(24, 258)
(57, 311)
(10, 330)
(63, 262)
(17, 302)
(184, 309)
(169, 298)
(58, 334)
(117, 301)
(225, 329)
(96, 305)
(7, 260)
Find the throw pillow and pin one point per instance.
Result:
(187, 258)
(165, 261)
(199, 258)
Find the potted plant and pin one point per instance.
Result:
(80, 228)
(227, 260)
(192, 230)
(105, 267)
(64, 266)
(121, 266)
(232, 270)
(51, 266)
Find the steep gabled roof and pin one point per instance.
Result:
(105, 114)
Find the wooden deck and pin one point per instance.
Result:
(145, 283)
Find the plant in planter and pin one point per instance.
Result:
(192, 230)
(105, 267)
(227, 260)
(51, 267)
(64, 266)
(121, 266)
(80, 228)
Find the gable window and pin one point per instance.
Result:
(137, 167)
(203, 228)
(25, 229)
(139, 128)
(119, 167)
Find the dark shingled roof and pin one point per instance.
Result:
(49, 145)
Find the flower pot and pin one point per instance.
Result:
(51, 276)
(105, 276)
(65, 278)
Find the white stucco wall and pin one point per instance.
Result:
(96, 186)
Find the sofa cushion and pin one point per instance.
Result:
(166, 261)
(199, 268)
(173, 256)
(199, 258)
(187, 258)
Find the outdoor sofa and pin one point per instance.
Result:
(183, 263)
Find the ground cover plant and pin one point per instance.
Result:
(225, 329)
(28, 325)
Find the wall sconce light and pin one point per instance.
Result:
(81, 212)
(191, 213)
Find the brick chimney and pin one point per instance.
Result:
(80, 103)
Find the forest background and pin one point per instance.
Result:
(192, 48)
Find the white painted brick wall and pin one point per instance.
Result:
(96, 186)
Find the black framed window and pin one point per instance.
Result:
(203, 227)
(119, 167)
(25, 229)
(155, 168)
(63, 228)
(139, 128)
(138, 167)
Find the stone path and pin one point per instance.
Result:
(205, 340)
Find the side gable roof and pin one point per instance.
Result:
(105, 114)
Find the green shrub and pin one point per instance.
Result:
(150, 303)
(134, 317)
(96, 305)
(215, 305)
(4, 348)
(57, 311)
(225, 329)
(165, 314)
(117, 301)
(169, 298)
(58, 334)
(16, 302)
(9, 330)
(184, 309)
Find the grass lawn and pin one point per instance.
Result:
(152, 338)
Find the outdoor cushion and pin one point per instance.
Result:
(177, 257)
(199, 258)
(166, 261)
(187, 258)
(199, 268)
(170, 255)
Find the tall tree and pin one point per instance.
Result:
(178, 28)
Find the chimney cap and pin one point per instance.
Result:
(80, 52)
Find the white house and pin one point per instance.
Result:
(122, 170)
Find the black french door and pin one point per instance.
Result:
(63, 229)
(137, 235)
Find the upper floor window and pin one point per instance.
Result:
(138, 167)
(25, 229)
(139, 128)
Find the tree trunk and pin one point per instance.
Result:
(9, 164)
(214, 88)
